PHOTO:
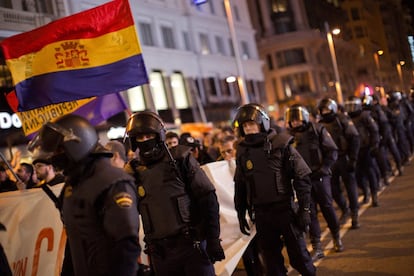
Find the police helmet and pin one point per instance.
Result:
(71, 136)
(394, 97)
(353, 105)
(367, 101)
(251, 112)
(329, 104)
(145, 122)
(297, 112)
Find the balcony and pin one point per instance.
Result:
(22, 21)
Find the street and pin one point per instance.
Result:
(384, 245)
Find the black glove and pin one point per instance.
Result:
(304, 219)
(244, 226)
(214, 250)
(351, 165)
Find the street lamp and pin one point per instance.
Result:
(240, 78)
(334, 63)
(377, 54)
(400, 74)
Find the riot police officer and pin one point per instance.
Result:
(319, 151)
(266, 165)
(99, 201)
(369, 140)
(346, 138)
(397, 119)
(387, 141)
(177, 202)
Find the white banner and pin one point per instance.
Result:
(34, 241)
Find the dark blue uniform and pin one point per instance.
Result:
(266, 165)
(319, 151)
(346, 137)
(101, 219)
(180, 214)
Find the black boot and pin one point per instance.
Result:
(400, 172)
(337, 242)
(317, 251)
(355, 220)
(375, 200)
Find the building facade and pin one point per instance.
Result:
(188, 50)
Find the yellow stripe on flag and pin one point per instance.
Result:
(33, 120)
(76, 54)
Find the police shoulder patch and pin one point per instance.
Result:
(123, 200)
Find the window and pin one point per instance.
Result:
(220, 45)
(187, 44)
(204, 44)
(158, 90)
(179, 91)
(236, 13)
(355, 14)
(359, 32)
(290, 57)
(146, 34)
(211, 5)
(279, 6)
(210, 86)
(245, 50)
(295, 84)
(269, 62)
(231, 47)
(168, 37)
(136, 99)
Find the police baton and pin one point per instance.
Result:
(10, 167)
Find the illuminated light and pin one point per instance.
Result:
(336, 31)
(115, 132)
(380, 52)
(230, 79)
(402, 62)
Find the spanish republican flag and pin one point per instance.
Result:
(91, 53)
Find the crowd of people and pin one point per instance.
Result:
(285, 172)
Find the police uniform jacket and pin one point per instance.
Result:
(266, 165)
(176, 197)
(101, 219)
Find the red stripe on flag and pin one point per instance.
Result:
(91, 23)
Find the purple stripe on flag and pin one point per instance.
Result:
(102, 108)
(72, 85)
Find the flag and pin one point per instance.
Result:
(102, 108)
(95, 110)
(91, 53)
(32, 120)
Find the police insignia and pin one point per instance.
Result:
(141, 191)
(249, 164)
(123, 200)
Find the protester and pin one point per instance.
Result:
(99, 201)
(268, 172)
(6, 184)
(27, 176)
(177, 202)
(172, 139)
(46, 172)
